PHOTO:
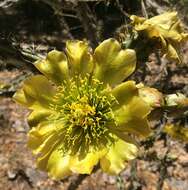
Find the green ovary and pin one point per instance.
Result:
(84, 108)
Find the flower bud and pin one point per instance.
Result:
(178, 99)
(152, 96)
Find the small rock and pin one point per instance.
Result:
(11, 174)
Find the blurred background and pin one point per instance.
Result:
(31, 28)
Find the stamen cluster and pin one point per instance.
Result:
(84, 108)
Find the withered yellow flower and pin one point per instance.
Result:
(167, 29)
(82, 111)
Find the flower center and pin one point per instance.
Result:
(84, 108)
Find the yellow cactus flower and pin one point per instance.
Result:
(82, 111)
(178, 132)
(166, 29)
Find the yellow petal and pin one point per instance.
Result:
(47, 127)
(113, 64)
(153, 32)
(173, 54)
(136, 20)
(163, 43)
(132, 117)
(125, 92)
(85, 165)
(126, 137)
(58, 165)
(79, 57)
(34, 139)
(136, 108)
(54, 67)
(172, 35)
(49, 146)
(40, 143)
(42, 137)
(115, 160)
(42, 146)
(22, 98)
(165, 20)
(45, 150)
(42, 161)
(139, 127)
(36, 92)
(38, 116)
